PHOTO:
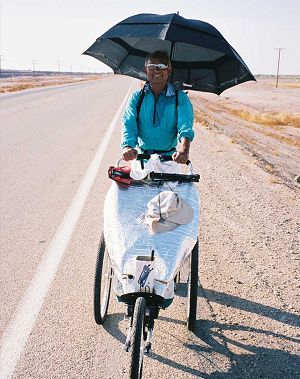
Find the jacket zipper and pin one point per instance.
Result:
(154, 111)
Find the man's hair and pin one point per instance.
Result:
(159, 55)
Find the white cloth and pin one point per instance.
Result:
(152, 164)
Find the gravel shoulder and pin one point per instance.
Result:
(249, 233)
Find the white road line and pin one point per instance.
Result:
(14, 338)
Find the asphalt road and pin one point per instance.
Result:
(248, 314)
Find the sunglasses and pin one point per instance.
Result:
(159, 66)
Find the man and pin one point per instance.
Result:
(161, 122)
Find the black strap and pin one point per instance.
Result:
(139, 104)
(141, 98)
(154, 151)
(163, 176)
(176, 102)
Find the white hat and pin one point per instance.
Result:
(166, 211)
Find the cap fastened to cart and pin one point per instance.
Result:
(166, 211)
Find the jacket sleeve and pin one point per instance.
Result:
(185, 117)
(129, 135)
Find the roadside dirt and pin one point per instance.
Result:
(19, 83)
(249, 236)
(262, 119)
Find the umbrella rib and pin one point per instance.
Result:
(171, 53)
(131, 50)
(195, 65)
(215, 71)
(182, 26)
(101, 60)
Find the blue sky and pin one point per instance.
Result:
(55, 33)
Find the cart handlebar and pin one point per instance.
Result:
(163, 158)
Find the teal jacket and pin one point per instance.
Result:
(159, 127)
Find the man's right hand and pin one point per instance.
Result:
(129, 153)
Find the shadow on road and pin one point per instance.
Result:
(257, 361)
(250, 306)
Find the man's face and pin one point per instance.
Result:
(156, 75)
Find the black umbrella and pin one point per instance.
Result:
(202, 59)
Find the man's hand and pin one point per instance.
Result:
(129, 153)
(180, 157)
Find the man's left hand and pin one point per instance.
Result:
(180, 157)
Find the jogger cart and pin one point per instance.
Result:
(144, 267)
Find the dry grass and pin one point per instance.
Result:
(275, 152)
(202, 118)
(274, 180)
(21, 83)
(269, 168)
(268, 118)
(290, 85)
(205, 119)
(274, 120)
(279, 137)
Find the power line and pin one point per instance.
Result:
(278, 63)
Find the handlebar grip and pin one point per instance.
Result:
(140, 157)
(163, 158)
(166, 158)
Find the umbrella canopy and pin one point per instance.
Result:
(202, 59)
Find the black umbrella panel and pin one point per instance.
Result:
(201, 58)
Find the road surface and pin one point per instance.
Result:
(248, 300)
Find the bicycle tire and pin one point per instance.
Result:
(102, 283)
(137, 339)
(193, 288)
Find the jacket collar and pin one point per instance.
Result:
(168, 91)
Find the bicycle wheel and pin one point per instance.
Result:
(193, 288)
(102, 284)
(137, 339)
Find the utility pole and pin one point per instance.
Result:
(58, 66)
(279, 53)
(33, 70)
